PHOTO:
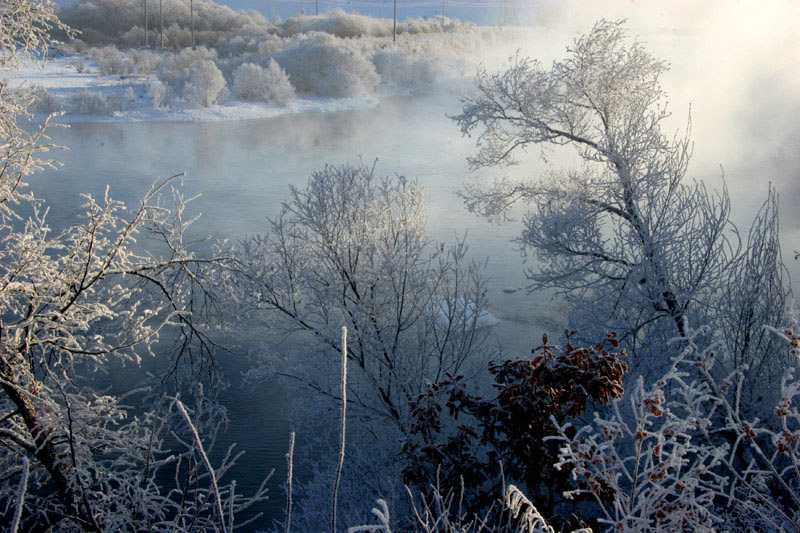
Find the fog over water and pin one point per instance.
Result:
(735, 65)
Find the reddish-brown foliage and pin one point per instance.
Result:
(512, 426)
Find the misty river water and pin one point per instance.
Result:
(243, 169)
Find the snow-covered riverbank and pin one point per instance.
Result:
(64, 76)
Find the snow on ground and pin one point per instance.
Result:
(60, 76)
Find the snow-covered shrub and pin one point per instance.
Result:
(175, 69)
(234, 46)
(244, 40)
(324, 65)
(144, 62)
(417, 25)
(110, 60)
(206, 85)
(338, 23)
(75, 46)
(116, 21)
(682, 454)
(88, 103)
(396, 66)
(79, 64)
(177, 37)
(270, 85)
(255, 31)
(229, 65)
(269, 45)
(133, 37)
(159, 94)
(42, 101)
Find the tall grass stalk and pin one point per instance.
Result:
(196, 436)
(343, 425)
(289, 471)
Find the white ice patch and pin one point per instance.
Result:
(464, 310)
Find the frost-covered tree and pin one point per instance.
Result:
(633, 246)
(351, 249)
(78, 301)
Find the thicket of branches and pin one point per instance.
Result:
(74, 302)
(705, 435)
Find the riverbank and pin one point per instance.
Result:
(64, 76)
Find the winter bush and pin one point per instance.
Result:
(79, 65)
(270, 85)
(175, 69)
(177, 37)
(133, 38)
(144, 62)
(682, 453)
(417, 25)
(89, 103)
(43, 101)
(396, 66)
(109, 60)
(471, 443)
(160, 94)
(338, 23)
(323, 65)
(269, 45)
(74, 46)
(235, 46)
(206, 85)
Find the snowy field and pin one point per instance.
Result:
(60, 76)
